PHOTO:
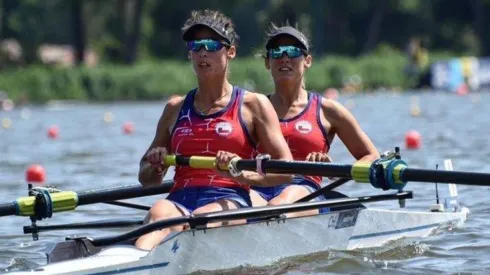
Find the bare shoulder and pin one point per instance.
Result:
(170, 111)
(333, 110)
(175, 103)
(256, 102)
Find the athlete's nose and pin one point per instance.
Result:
(203, 52)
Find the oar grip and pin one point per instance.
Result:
(194, 162)
(360, 171)
(61, 201)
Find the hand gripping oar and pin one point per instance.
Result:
(383, 173)
(44, 204)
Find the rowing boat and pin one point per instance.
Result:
(256, 244)
(269, 235)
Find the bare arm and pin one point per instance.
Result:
(350, 133)
(148, 175)
(269, 135)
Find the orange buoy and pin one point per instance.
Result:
(53, 132)
(35, 174)
(413, 140)
(128, 128)
(462, 90)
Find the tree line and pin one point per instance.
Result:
(125, 31)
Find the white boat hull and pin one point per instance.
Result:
(261, 243)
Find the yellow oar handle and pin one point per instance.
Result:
(194, 162)
(61, 201)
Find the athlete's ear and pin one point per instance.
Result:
(231, 52)
(308, 61)
(267, 63)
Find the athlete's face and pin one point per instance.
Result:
(209, 53)
(287, 61)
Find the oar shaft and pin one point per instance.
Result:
(323, 169)
(8, 209)
(136, 191)
(69, 200)
(442, 176)
(394, 173)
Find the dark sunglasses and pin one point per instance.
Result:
(209, 44)
(291, 51)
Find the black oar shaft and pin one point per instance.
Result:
(442, 176)
(345, 171)
(324, 169)
(97, 196)
(69, 200)
(8, 209)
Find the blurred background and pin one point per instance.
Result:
(104, 49)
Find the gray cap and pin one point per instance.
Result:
(218, 27)
(291, 32)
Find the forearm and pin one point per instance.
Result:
(148, 176)
(254, 179)
(369, 157)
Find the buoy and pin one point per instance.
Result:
(128, 128)
(413, 140)
(462, 90)
(35, 174)
(415, 110)
(53, 132)
(331, 93)
(6, 123)
(108, 117)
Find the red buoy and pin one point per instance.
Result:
(413, 140)
(35, 174)
(128, 128)
(53, 132)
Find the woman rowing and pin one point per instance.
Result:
(309, 122)
(215, 119)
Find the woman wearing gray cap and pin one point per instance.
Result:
(308, 122)
(215, 119)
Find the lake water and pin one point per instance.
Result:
(93, 154)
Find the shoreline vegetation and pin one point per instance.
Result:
(156, 80)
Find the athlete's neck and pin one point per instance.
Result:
(208, 92)
(290, 94)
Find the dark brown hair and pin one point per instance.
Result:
(216, 20)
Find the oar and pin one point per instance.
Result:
(48, 203)
(244, 213)
(384, 173)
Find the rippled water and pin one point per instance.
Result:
(92, 154)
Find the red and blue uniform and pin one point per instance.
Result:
(195, 134)
(304, 134)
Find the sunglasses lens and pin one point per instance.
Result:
(291, 51)
(208, 44)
